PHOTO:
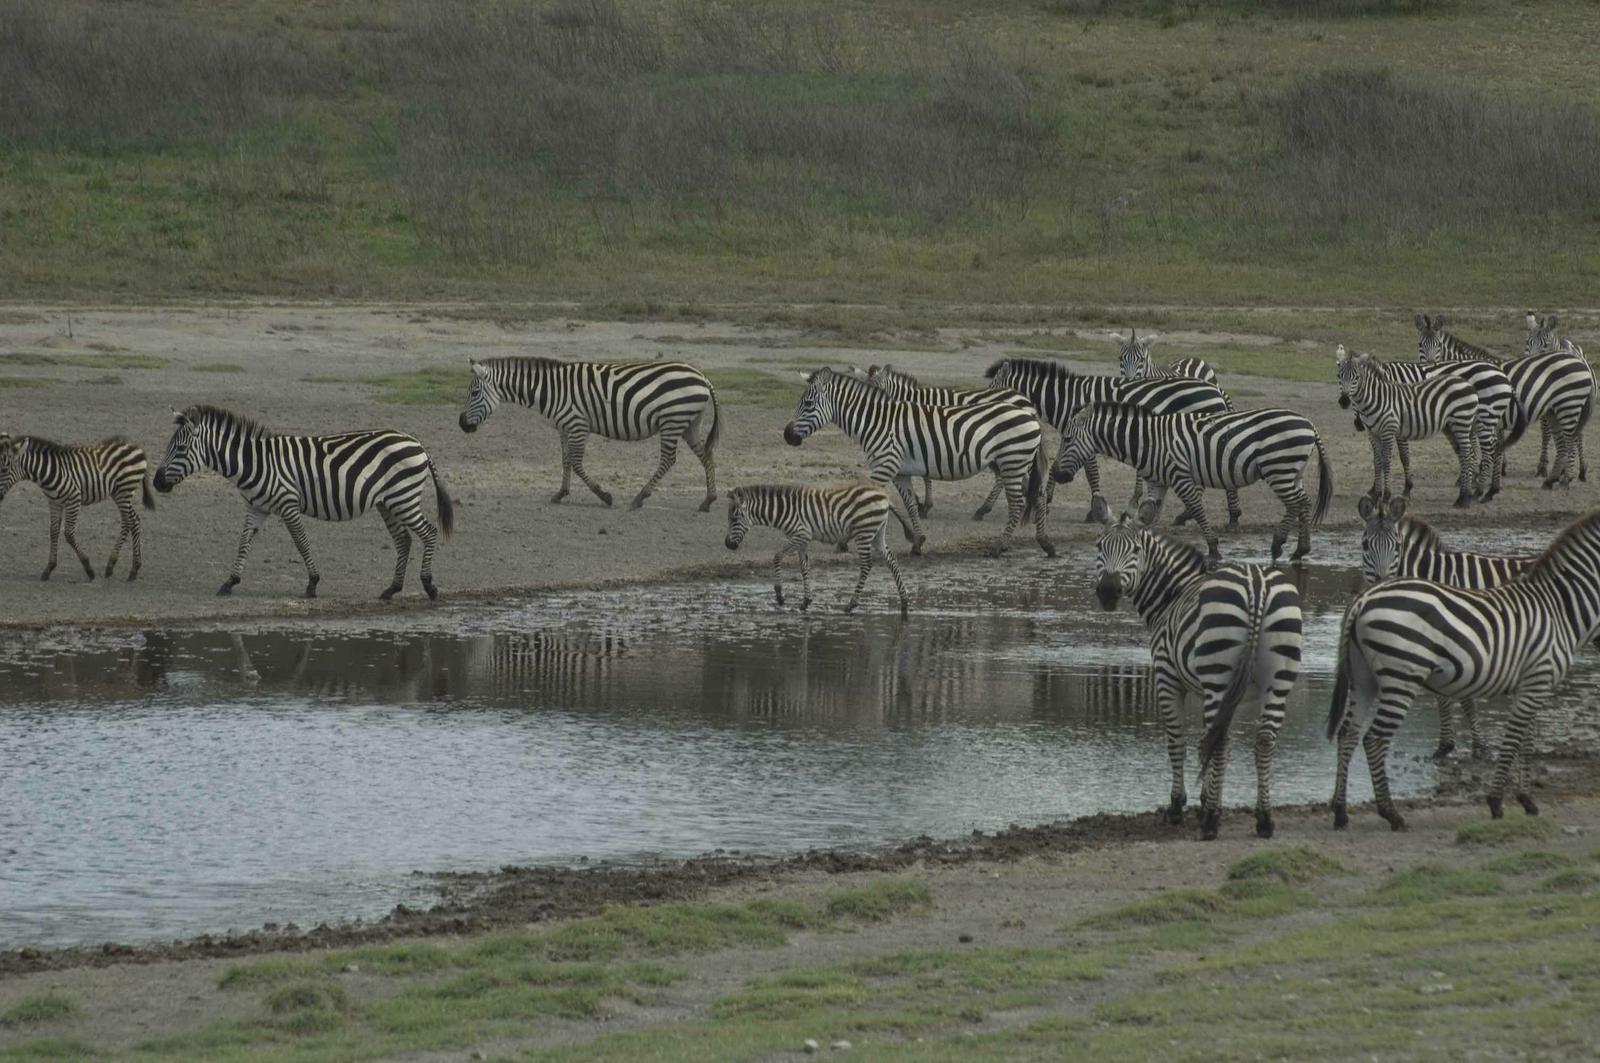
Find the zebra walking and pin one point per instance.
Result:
(1213, 635)
(1403, 636)
(1057, 393)
(1395, 545)
(856, 514)
(904, 439)
(615, 400)
(74, 477)
(1395, 413)
(332, 477)
(1134, 363)
(1553, 387)
(1187, 454)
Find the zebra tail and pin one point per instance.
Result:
(149, 499)
(1519, 424)
(715, 431)
(447, 508)
(1035, 481)
(1341, 682)
(1324, 482)
(1240, 682)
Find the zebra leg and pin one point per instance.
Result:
(69, 528)
(402, 550)
(777, 571)
(1465, 442)
(1480, 748)
(1376, 745)
(253, 519)
(805, 573)
(1191, 494)
(126, 518)
(1517, 742)
(1212, 772)
(1348, 738)
(566, 472)
(902, 484)
(1234, 512)
(926, 505)
(1403, 448)
(864, 543)
(577, 438)
(994, 495)
(1447, 730)
(55, 535)
(669, 454)
(136, 531)
(1544, 445)
(1296, 515)
(427, 534)
(708, 460)
(1016, 502)
(297, 531)
(1381, 442)
(1170, 697)
(1266, 745)
(882, 541)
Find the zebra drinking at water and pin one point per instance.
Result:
(1395, 413)
(1057, 393)
(1134, 363)
(1214, 635)
(1403, 636)
(74, 477)
(1187, 454)
(331, 477)
(622, 400)
(905, 439)
(856, 514)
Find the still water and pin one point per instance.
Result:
(170, 783)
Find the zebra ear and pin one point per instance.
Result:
(1341, 354)
(1550, 322)
(178, 417)
(1532, 320)
(1397, 507)
(1365, 507)
(1421, 321)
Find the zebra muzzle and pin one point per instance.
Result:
(792, 436)
(159, 482)
(731, 543)
(466, 425)
(1109, 591)
(1344, 401)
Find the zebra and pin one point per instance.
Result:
(1187, 453)
(615, 400)
(857, 514)
(1542, 339)
(74, 477)
(904, 387)
(1553, 387)
(330, 477)
(1057, 393)
(904, 439)
(1403, 636)
(1134, 363)
(1395, 412)
(1214, 634)
(1393, 544)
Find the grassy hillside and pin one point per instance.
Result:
(1327, 152)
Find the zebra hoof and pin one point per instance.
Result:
(1444, 751)
(1233, 520)
(805, 604)
(849, 607)
(777, 593)
(227, 588)
(604, 497)
(705, 506)
(1497, 809)
(1480, 752)
(1396, 821)
(389, 592)
(1341, 816)
(916, 547)
(1463, 501)
(109, 570)
(1210, 823)
(559, 496)
(637, 503)
(133, 575)
(1300, 554)
(311, 589)
(980, 513)
(1174, 813)
(905, 611)
(45, 575)
(433, 592)
(1264, 825)
(1528, 805)
(1048, 547)
(922, 510)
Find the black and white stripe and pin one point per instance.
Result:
(1543, 339)
(1404, 636)
(906, 439)
(1395, 413)
(1213, 635)
(331, 477)
(616, 400)
(1187, 454)
(1134, 363)
(72, 477)
(853, 514)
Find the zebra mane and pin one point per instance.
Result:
(1579, 538)
(1416, 530)
(1044, 366)
(890, 372)
(43, 445)
(248, 427)
(1176, 549)
(540, 360)
(853, 384)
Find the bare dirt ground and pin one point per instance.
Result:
(309, 369)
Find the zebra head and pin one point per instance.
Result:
(1119, 558)
(482, 397)
(816, 407)
(1354, 372)
(10, 462)
(1430, 338)
(1077, 449)
(896, 382)
(1380, 538)
(1133, 355)
(186, 450)
(1541, 334)
(739, 521)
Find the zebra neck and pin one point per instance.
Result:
(519, 386)
(1128, 439)
(1575, 600)
(31, 464)
(1171, 573)
(235, 458)
(859, 411)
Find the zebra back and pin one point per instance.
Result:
(1057, 392)
(1435, 344)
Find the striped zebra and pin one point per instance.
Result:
(332, 477)
(1214, 635)
(1057, 393)
(1395, 413)
(1394, 545)
(857, 514)
(615, 400)
(1403, 636)
(904, 439)
(74, 477)
(1186, 454)
(1542, 339)
(903, 387)
(1134, 363)
(1554, 388)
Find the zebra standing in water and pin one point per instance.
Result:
(1392, 545)
(903, 387)
(1134, 363)
(1395, 412)
(332, 477)
(1553, 387)
(857, 514)
(1186, 454)
(905, 439)
(622, 400)
(74, 477)
(1403, 636)
(1057, 393)
(1213, 635)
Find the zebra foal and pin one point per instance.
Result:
(629, 401)
(72, 477)
(1187, 454)
(1395, 413)
(855, 514)
(1214, 635)
(1403, 636)
(331, 477)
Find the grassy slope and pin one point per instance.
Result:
(1159, 133)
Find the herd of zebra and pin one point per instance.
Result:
(1461, 625)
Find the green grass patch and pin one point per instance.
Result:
(50, 1048)
(1257, 898)
(1431, 882)
(401, 958)
(433, 386)
(218, 367)
(1294, 864)
(1169, 906)
(106, 359)
(1507, 831)
(1572, 880)
(270, 972)
(1533, 862)
(309, 1007)
(39, 1008)
(22, 382)
(757, 387)
(879, 901)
